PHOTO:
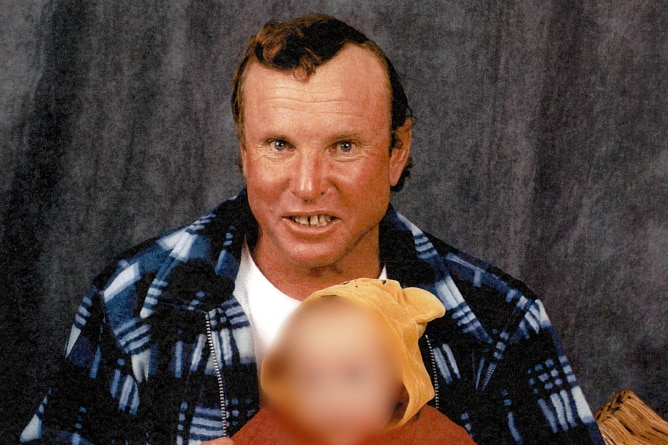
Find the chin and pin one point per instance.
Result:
(315, 260)
(314, 255)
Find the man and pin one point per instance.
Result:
(165, 345)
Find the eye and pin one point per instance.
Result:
(346, 146)
(279, 145)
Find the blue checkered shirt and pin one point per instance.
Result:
(160, 344)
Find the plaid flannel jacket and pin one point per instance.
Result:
(160, 344)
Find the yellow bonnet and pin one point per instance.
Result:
(405, 313)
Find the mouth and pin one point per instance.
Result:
(312, 220)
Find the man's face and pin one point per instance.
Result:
(316, 158)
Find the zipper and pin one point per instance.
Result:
(219, 375)
(434, 373)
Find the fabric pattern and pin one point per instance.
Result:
(140, 367)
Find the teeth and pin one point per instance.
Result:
(313, 221)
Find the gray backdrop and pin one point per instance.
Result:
(540, 145)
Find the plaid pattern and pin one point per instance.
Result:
(138, 367)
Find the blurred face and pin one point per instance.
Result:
(316, 158)
(343, 381)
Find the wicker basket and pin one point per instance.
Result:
(627, 420)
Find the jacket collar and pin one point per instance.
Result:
(210, 248)
(399, 254)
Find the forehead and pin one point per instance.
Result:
(353, 81)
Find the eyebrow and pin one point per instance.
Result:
(345, 137)
(268, 136)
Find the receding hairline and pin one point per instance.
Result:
(299, 74)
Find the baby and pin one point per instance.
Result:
(346, 370)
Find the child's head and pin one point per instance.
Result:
(347, 364)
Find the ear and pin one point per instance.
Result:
(243, 155)
(401, 150)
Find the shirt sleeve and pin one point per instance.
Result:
(94, 396)
(543, 399)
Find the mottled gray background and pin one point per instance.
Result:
(540, 145)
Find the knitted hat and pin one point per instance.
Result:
(405, 313)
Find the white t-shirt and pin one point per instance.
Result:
(266, 306)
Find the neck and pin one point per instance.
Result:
(299, 281)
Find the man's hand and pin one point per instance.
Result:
(219, 441)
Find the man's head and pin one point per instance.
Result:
(324, 137)
(301, 45)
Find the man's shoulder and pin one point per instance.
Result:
(142, 262)
(484, 299)
(418, 257)
(146, 255)
(471, 271)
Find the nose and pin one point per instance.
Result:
(308, 178)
